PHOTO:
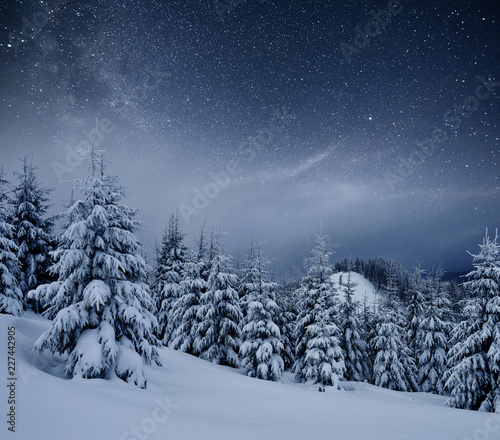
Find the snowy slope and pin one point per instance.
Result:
(189, 398)
(363, 287)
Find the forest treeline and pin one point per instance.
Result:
(111, 312)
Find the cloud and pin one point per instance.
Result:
(286, 173)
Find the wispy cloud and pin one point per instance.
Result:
(286, 173)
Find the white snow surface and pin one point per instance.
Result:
(189, 398)
(363, 287)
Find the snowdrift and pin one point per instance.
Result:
(363, 287)
(189, 398)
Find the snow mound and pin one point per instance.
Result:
(364, 287)
(190, 399)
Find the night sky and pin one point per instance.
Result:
(377, 120)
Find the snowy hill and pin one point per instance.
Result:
(189, 398)
(364, 287)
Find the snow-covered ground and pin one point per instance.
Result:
(363, 287)
(189, 398)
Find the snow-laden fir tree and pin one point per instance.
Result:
(185, 309)
(414, 311)
(353, 338)
(261, 346)
(391, 288)
(33, 232)
(286, 320)
(319, 358)
(104, 324)
(433, 336)
(248, 276)
(168, 276)
(456, 295)
(11, 296)
(474, 377)
(393, 366)
(220, 315)
(368, 322)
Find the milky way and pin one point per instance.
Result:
(376, 120)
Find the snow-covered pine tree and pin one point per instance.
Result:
(319, 358)
(414, 311)
(368, 322)
(474, 377)
(170, 273)
(393, 367)
(11, 296)
(33, 233)
(456, 295)
(353, 338)
(220, 315)
(245, 275)
(391, 288)
(433, 336)
(104, 323)
(286, 320)
(261, 346)
(185, 309)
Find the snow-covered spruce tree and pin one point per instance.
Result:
(393, 367)
(169, 273)
(11, 296)
(433, 337)
(245, 277)
(220, 315)
(319, 358)
(104, 323)
(261, 346)
(286, 320)
(353, 338)
(369, 320)
(474, 377)
(414, 311)
(391, 288)
(185, 309)
(33, 233)
(456, 295)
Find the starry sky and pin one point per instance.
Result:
(376, 121)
